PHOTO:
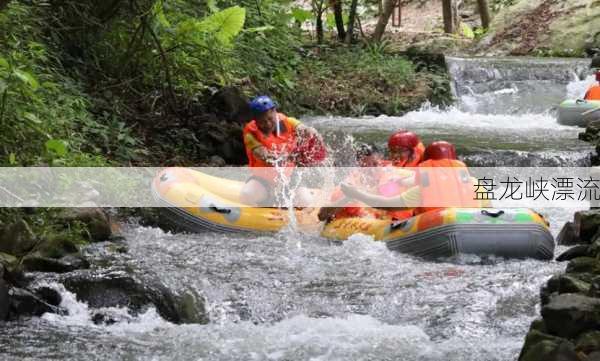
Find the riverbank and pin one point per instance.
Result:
(124, 90)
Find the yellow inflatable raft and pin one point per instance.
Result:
(200, 201)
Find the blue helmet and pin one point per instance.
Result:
(261, 104)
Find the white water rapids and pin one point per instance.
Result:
(293, 296)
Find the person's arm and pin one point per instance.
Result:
(375, 201)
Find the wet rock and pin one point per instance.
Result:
(588, 342)
(231, 105)
(56, 247)
(17, 238)
(542, 346)
(216, 161)
(192, 309)
(96, 220)
(38, 263)
(103, 319)
(560, 284)
(48, 295)
(568, 235)
(586, 224)
(119, 289)
(567, 315)
(583, 265)
(593, 250)
(4, 305)
(573, 252)
(25, 303)
(595, 286)
(9, 261)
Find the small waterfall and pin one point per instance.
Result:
(515, 85)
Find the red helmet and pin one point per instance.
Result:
(440, 150)
(403, 139)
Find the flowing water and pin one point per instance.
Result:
(294, 296)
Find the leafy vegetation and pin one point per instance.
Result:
(96, 83)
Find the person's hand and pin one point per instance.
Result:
(308, 132)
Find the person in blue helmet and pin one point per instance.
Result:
(274, 139)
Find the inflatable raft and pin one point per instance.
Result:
(510, 233)
(570, 112)
(197, 201)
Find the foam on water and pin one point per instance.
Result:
(79, 314)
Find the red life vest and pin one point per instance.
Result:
(593, 93)
(456, 187)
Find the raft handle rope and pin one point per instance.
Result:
(219, 210)
(496, 214)
(400, 224)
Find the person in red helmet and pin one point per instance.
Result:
(593, 93)
(406, 149)
(442, 179)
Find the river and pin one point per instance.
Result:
(294, 296)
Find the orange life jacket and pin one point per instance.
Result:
(593, 93)
(456, 187)
(281, 144)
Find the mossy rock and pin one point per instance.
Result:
(541, 346)
(17, 238)
(8, 261)
(57, 247)
(588, 342)
(38, 263)
(584, 265)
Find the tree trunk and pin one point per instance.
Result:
(339, 18)
(388, 9)
(484, 12)
(351, 20)
(320, 28)
(447, 13)
(318, 8)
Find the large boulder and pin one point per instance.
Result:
(26, 303)
(38, 263)
(96, 220)
(541, 346)
(559, 284)
(568, 315)
(17, 238)
(108, 288)
(231, 105)
(584, 265)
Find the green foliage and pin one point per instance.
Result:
(224, 26)
(44, 113)
(388, 83)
